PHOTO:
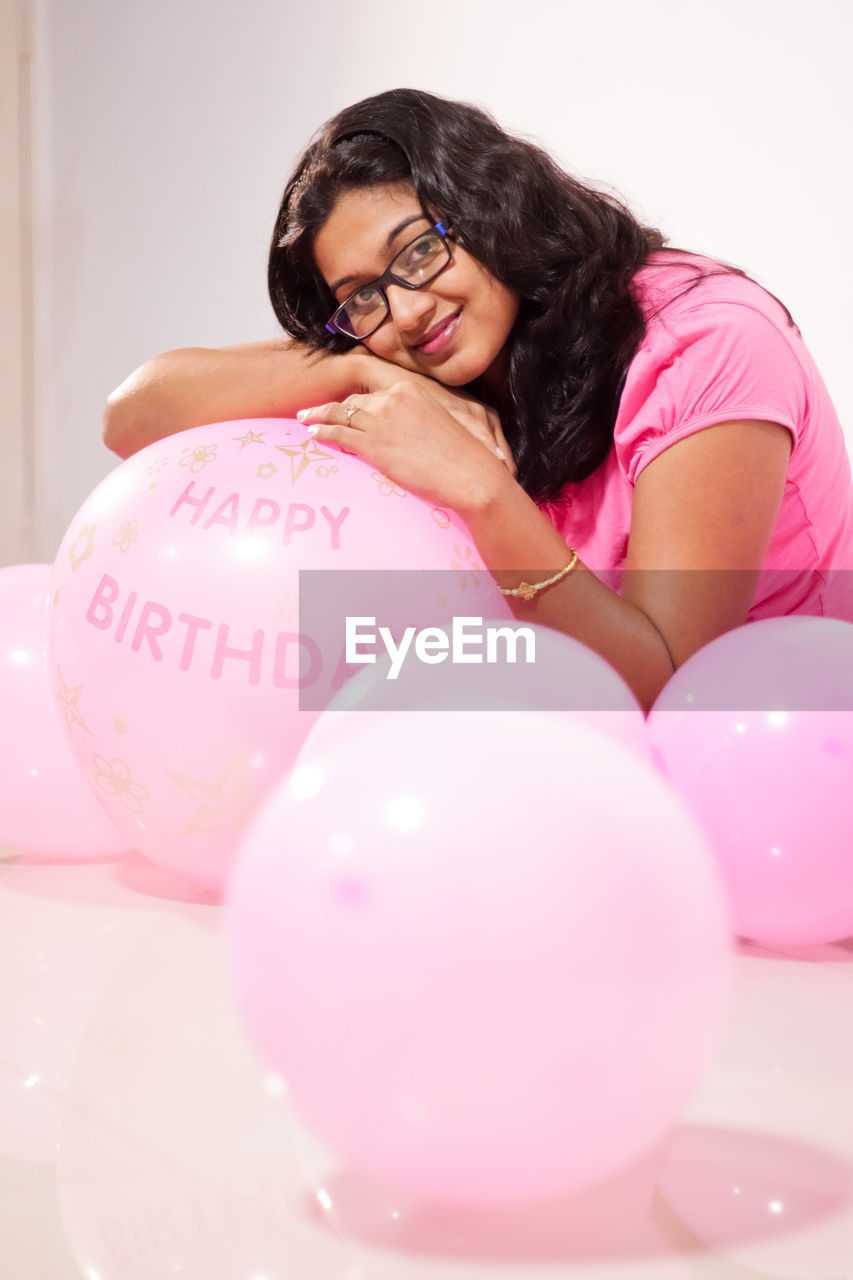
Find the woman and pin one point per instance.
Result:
(636, 437)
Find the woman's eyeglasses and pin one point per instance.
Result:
(418, 262)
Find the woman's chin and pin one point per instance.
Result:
(459, 370)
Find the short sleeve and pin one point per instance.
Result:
(718, 361)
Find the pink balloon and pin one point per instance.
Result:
(756, 733)
(178, 620)
(566, 679)
(488, 951)
(45, 805)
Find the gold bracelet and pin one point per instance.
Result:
(527, 590)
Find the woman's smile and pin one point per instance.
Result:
(439, 337)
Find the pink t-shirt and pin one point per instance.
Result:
(725, 352)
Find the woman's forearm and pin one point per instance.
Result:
(193, 386)
(518, 543)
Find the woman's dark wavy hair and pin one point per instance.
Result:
(569, 251)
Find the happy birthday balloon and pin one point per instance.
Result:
(488, 951)
(177, 620)
(755, 731)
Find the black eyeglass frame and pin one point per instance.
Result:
(379, 284)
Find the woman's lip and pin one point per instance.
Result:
(440, 334)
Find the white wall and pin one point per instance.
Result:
(16, 423)
(164, 132)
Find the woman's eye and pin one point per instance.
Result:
(364, 297)
(418, 254)
(421, 251)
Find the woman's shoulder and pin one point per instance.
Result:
(675, 283)
(717, 348)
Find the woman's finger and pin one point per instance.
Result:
(493, 438)
(506, 451)
(329, 424)
(477, 425)
(333, 413)
(488, 430)
(501, 444)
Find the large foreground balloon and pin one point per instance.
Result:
(562, 676)
(45, 805)
(756, 733)
(488, 951)
(177, 620)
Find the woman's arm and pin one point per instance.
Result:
(702, 515)
(701, 519)
(192, 386)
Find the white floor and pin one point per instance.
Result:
(139, 1139)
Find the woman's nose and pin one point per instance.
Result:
(410, 308)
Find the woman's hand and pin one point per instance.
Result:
(479, 419)
(448, 457)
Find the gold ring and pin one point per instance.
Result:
(349, 412)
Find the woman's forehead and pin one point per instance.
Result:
(364, 227)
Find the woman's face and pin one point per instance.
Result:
(454, 327)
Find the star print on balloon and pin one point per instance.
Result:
(222, 805)
(251, 437)
(68, 699)
(302, 456)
